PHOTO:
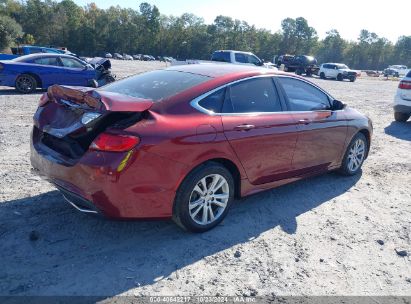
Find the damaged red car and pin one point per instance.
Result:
(184, 142)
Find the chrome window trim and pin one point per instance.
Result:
(195, 102)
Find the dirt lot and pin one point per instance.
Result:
(314, 237)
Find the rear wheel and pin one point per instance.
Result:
(354, 155)
(322, 75)
(299, 71)
(204, 198)
(26, 83)
(340, 77)
(401, 117)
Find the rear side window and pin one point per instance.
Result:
(213, 102)
(156, 85)
(221, 57)
(254, 95)
(303, 96)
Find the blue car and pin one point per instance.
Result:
(27, 73)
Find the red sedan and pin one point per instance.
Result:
(185, 141)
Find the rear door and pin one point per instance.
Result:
(321, 131)
(262, 136)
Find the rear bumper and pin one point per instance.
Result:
(143, 188)
(402, 105)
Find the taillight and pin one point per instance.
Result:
(405, 85)
(114, 142)
(44, 99)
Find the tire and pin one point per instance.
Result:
(92, 83)
(189, 192)
(308, 73)
(401, 117)
(353, 78)
(340, 77)
(26, 84)
(322, 75)
(299, 72)
(357, 148)
(110, 79)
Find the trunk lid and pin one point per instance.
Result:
(72, 117)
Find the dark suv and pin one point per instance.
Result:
(301, 64)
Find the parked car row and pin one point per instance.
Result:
(140, 57)
(304, 64)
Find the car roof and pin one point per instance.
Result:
(216, 70)
(40, 55)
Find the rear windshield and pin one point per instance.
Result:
(155, 85)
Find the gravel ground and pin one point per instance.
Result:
(328, 235)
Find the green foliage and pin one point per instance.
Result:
(90, 31)
(10, 30)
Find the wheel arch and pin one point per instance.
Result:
(367, 135)
(226, 163)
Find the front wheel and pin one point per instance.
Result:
(401, 117)
(26, 84)
(204, 198)
(353, 78)
(340, 77)
(354, 155)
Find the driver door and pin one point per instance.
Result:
(77, 72)
(321, 131)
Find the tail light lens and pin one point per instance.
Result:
(44, 99)
(405, 85)
(114, 142)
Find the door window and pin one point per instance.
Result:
(221, 57)
(254, 95)
(253, 60)
(47, 61)
(240, 58)
(71, 63)
(303, 96)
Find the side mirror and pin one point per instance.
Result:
(338, 105)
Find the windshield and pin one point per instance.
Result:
(342, 66)
(155, 85)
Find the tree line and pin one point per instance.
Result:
(90, 31)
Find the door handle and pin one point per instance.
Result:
(304, 121)
(244, 127)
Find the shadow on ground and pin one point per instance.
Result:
(14, 92)
(400, 130)
(74, 254)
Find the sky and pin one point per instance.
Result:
(389, 19)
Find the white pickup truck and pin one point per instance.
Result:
(230, 56)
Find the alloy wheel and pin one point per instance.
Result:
(24, 84)
(209, 199)
(356, 155)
